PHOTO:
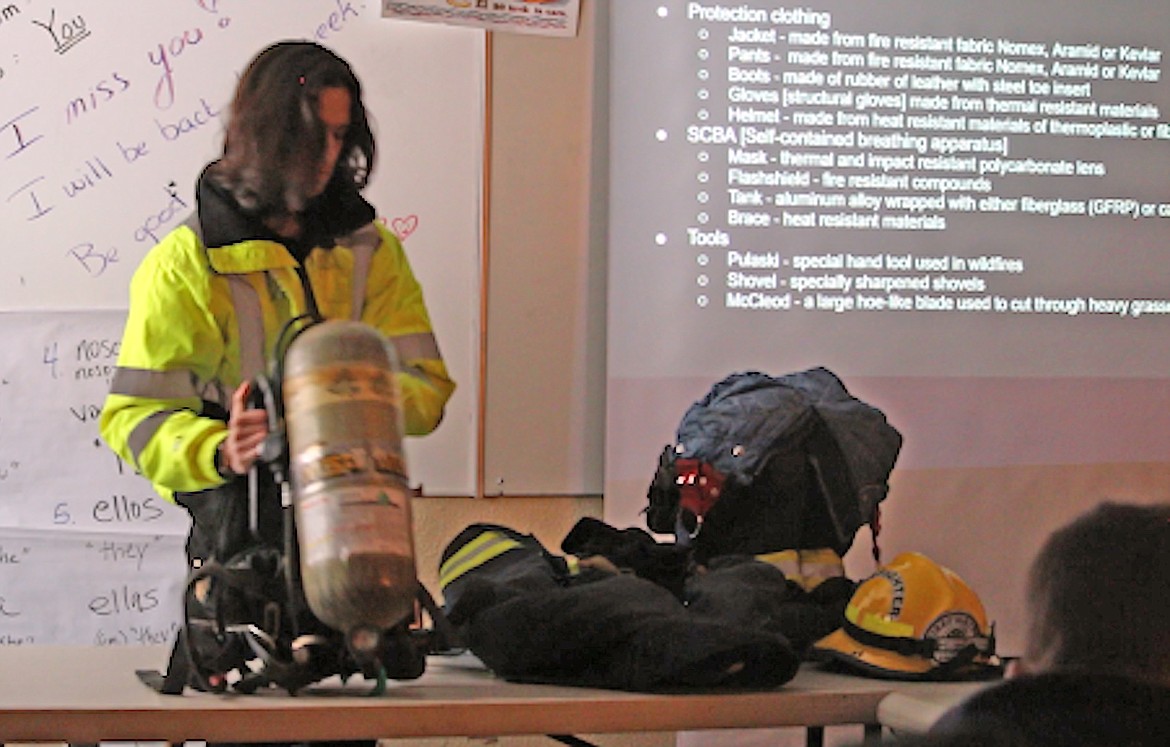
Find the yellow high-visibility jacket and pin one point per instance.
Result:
(194, 297)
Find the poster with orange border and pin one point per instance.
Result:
(545, 17)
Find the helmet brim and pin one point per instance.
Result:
(841, 647)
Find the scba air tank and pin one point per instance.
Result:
(349, 477)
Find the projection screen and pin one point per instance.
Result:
(962, 209)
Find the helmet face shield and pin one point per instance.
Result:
(913, 619)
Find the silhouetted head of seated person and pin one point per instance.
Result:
(1096, 662)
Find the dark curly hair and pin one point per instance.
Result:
(1099, 591)
(274, 137)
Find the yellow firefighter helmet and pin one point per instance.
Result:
(914, 619)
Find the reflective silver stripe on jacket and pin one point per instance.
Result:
(145, 430)
(249, 325)
(362, 242)
(142, 382)
(414, 347)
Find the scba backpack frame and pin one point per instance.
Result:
(248, 621)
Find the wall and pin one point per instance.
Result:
(546, 305)
(546, 333)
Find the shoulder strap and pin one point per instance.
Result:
(250, 324)
(249, 317)
(362, 242)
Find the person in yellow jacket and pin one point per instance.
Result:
(281, 230)
(281, 233)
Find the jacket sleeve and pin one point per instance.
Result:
(152, 417)
(394, 304)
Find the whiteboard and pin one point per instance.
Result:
(108, 112)
(89, 554)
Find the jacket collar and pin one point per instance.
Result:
(238, 241)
